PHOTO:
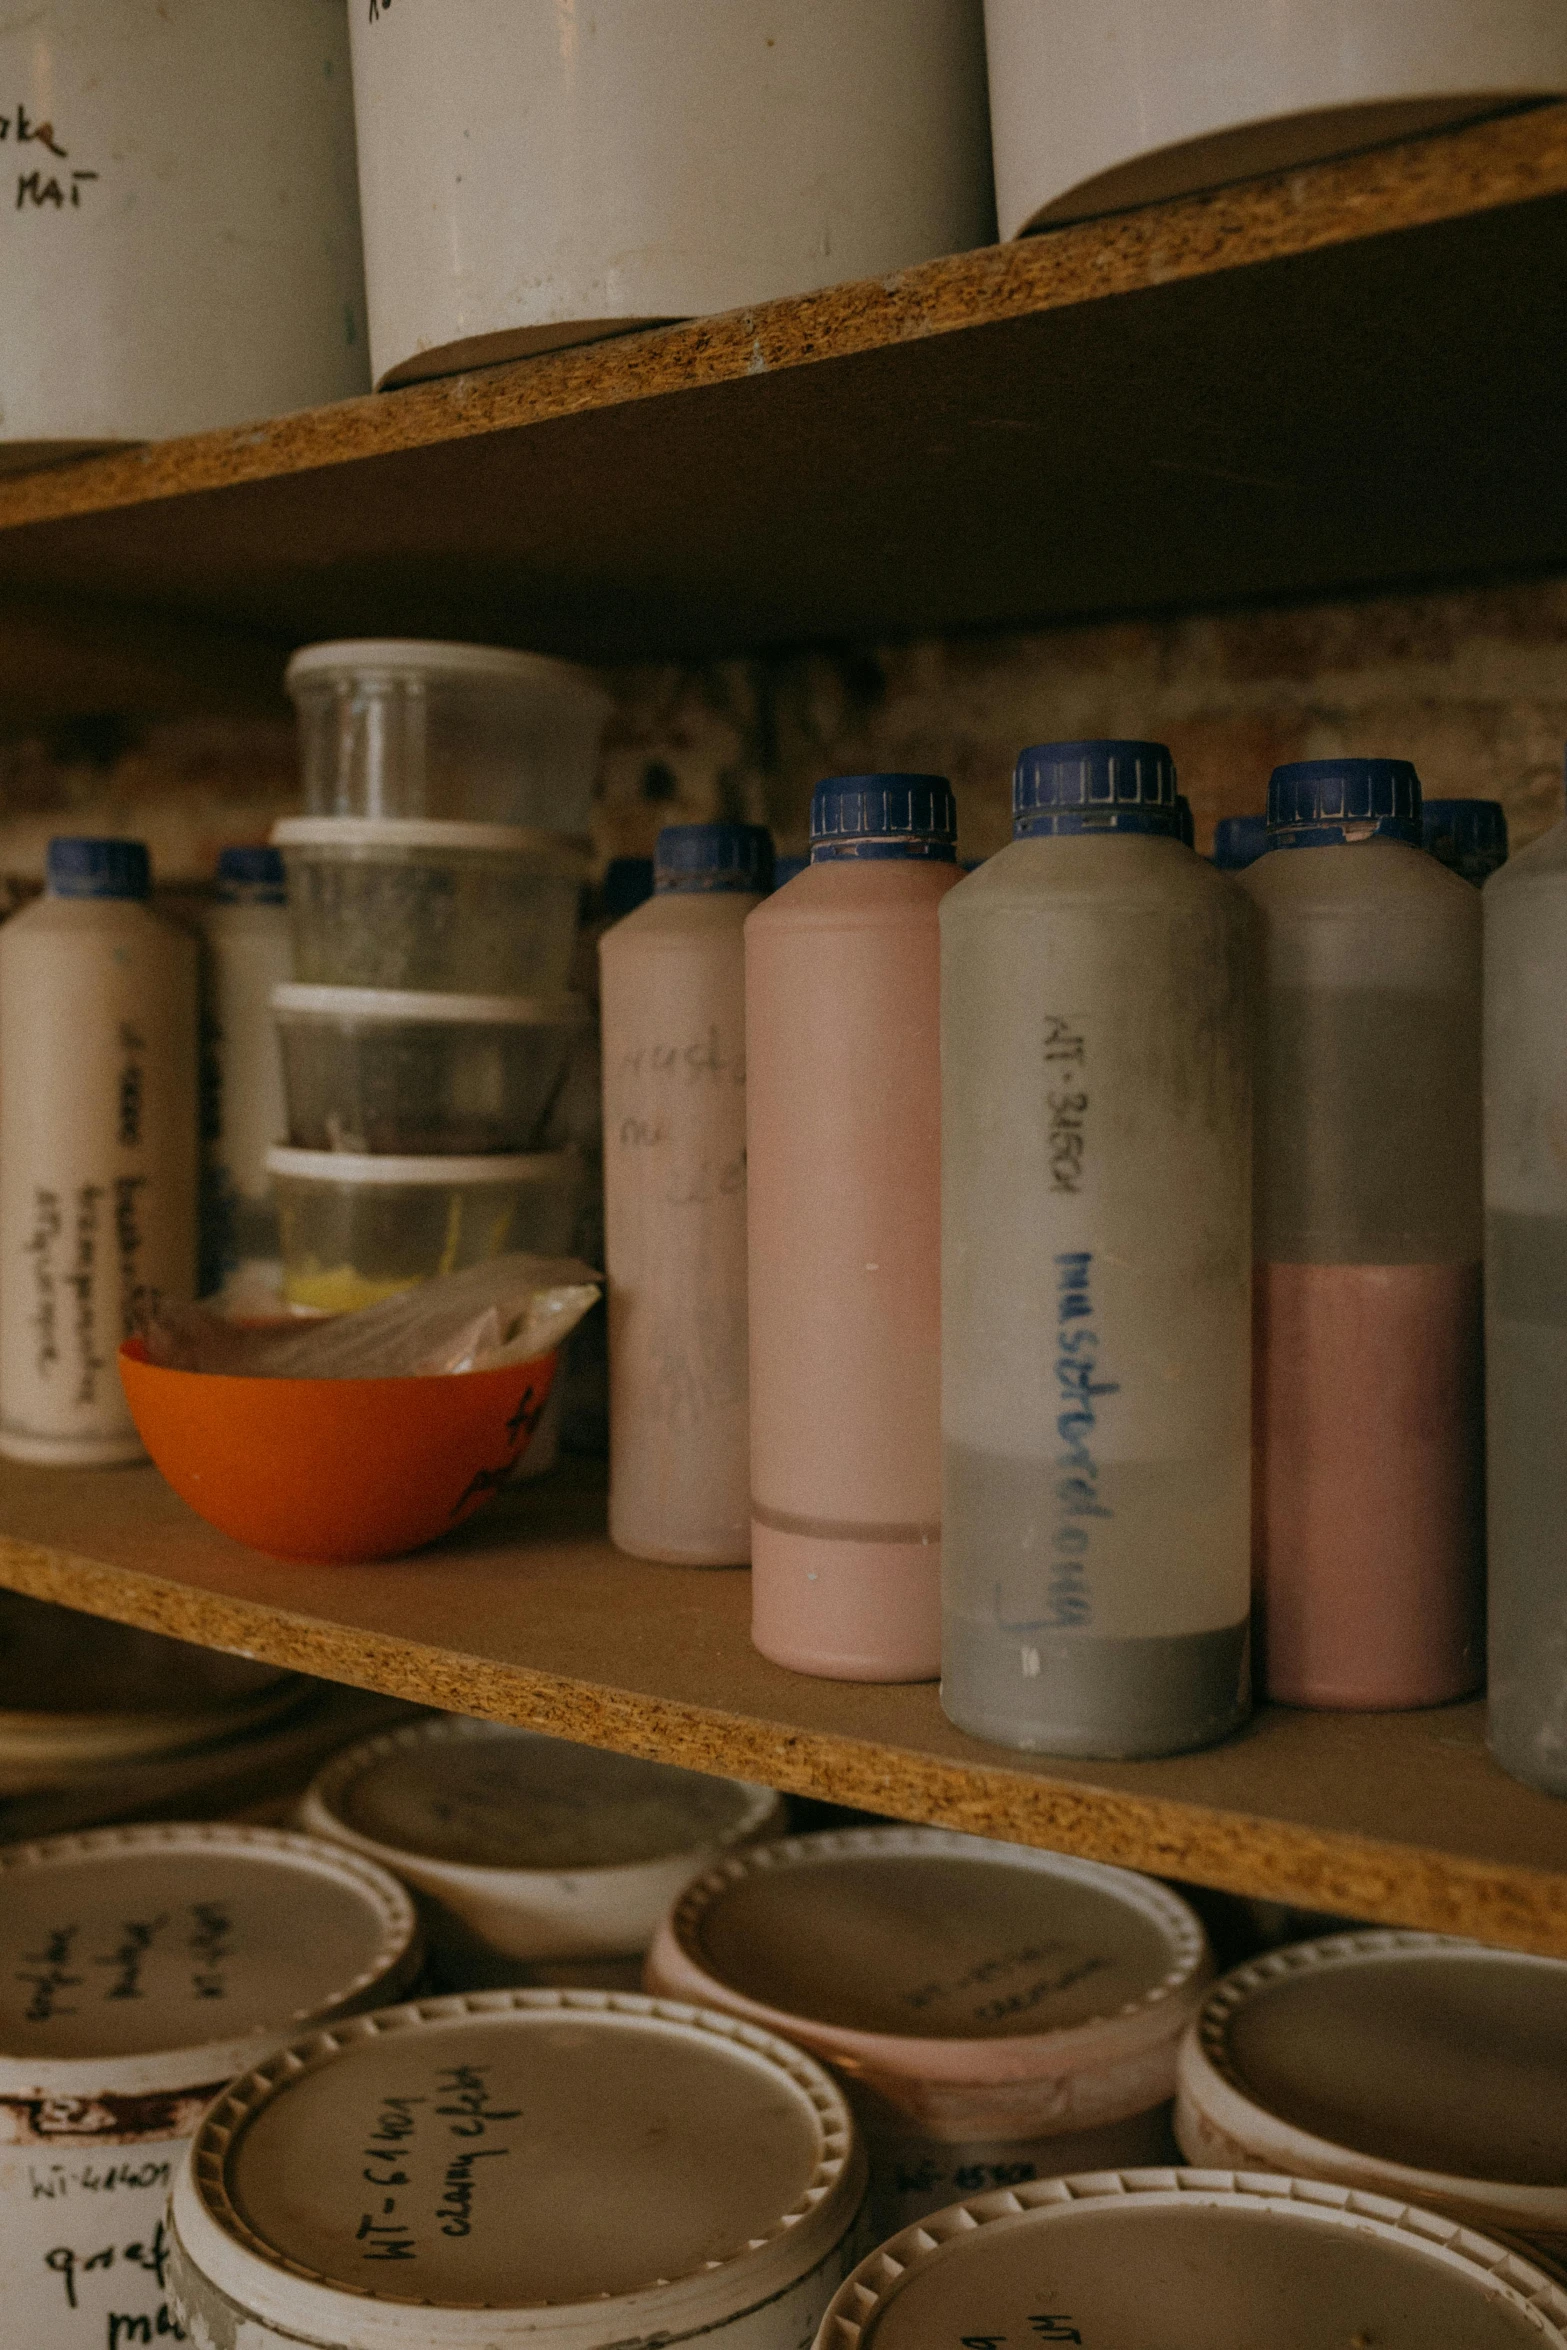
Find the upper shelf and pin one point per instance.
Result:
(1341, 377)
(530, 1617)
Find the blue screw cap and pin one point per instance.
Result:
(713, 857)
(884, 816)
(1238, 841)
(1097, 786)
(1317, 803)
(251, 876)
(75, 867)
(1469, 837)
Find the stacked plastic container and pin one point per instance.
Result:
(433, 890)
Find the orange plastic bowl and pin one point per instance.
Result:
(335, 1468)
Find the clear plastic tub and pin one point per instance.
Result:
(405, 728)
(473, 909)
(357, 1229)
(371, 1069)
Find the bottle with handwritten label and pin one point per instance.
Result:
(247, 954)
(98, 1160)
(1369, 1489)
(1525, 920)
(1096, 1257)
(843, 976)
(672, 985)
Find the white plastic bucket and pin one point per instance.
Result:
(553, 174)
(1211, 2260)
(1413, 2065)
(562, 2170)
(140, 1970)
(530, 1850)
(182, 239)
(999, 2014)
(1100, 104)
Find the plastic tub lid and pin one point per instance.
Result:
(1214, 2260)
(567, 852)
(165, 1958)
(545, 1847)
(419, 657)
(350, 1167)
(1414, 2064)
(301, 1000)
(539, 2167)
(986, 1990)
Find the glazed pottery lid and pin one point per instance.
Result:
(942, 1955)
(154, 1957)
(607, 2168)
(1209, 2260)
(1421, 2065)
(484, 1797)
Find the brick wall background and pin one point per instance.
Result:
(1471, 684)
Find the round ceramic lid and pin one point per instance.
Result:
(520, 2151)
(482, 1796)
(918, 1934)
(1413, 2050)
(131, 1957)
(352, 657)
(1145, 2260)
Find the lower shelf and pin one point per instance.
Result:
(529, 1616)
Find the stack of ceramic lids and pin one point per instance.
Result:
(433, 891)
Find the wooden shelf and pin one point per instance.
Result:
(1341, 377)
(531, 1617)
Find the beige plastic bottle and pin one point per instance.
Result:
(98, 1147)
(843, 1012)
(672, 986)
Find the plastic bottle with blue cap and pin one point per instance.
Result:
(672, 984)
(247, 953)
(98, 1147)
(843, 1050)
(1096, 1261)
(1524, 908)
(1469, 837)
(1368, 1245)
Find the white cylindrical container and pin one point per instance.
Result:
(561, 2170)
(1213, 2260)
(248, 953)
(98, 1166)
(470, 733)
(1096, 1272)
(998, 2014)
(672, 987)
(1100, 104)
(530, 1851)
(1413, 2065)
(140, 1970)
(548, 178)
(183, 246)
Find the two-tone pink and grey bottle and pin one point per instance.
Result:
(844, 1116)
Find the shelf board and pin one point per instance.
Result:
(530, 1617)
(1342, 377)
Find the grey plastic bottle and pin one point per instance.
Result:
(1525, 912)
(1096, 1263)
(1367, 1278)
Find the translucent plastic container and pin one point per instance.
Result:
(1411, 2065)
(1525, 915)
(843, 1089)
(140, 1970)
(672, 983)
(359, 1229)
(464, 909)
(1209, 2259)
(246, 953)
(386, 1070)
(538, 1862)
(1368, 1243)
(1096, 1259)
(470, 733)
(532, 2170)
(997, 2014)
(1467, 836)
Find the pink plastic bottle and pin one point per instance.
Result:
(843, 1119)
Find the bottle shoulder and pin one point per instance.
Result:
(677, 921)
(1134, 868)
(852, 893)
(1376, 880)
